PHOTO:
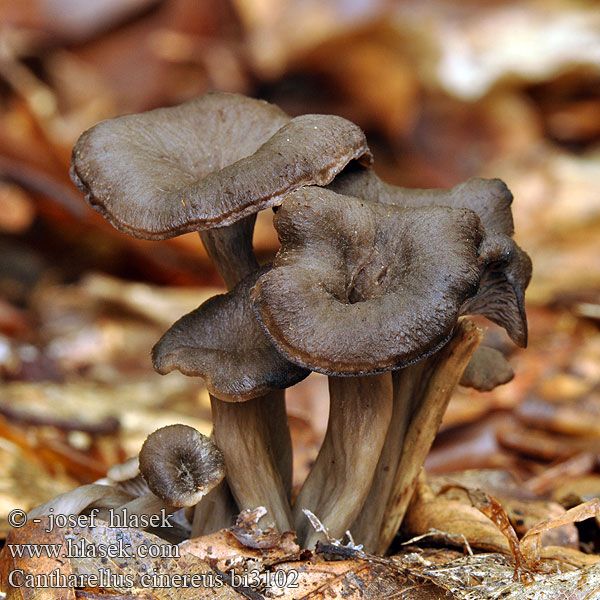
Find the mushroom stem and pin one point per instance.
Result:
(259, 426)
(230, 249)
(440, 376)
(242, 432)
(336, 488)
(367, 526)
(76, 501)
(275, 416)
(214, 512)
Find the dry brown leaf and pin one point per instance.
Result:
(566, 558)
(158, 304)
(277, 31)
(530, 544)
(572, 491)
(450, 518)
(557, 217)
(576, 417)
(372, 80)
(25, 482)
(282, 561)
(120, 559)
(140, 405)
(473, 446)
(567, 470)
(14, 570)
(358, 580)
(523, 508)
(544, 445)
(455, 519)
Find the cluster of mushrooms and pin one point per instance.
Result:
(368, 287)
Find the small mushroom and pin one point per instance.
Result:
(487, 369)
(222, 342)
(180, 465)
(505, 268)
(209, 165)
(359, 288)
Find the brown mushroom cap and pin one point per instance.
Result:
(360, 287)
(206, 163)
(180, 464)
(505, 267)
(222, 342)
(487, 369)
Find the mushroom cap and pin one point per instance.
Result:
(487, 369)
(505, 274)
(206, 163)
(180, 464)
(222, 342)
(359, 287)
(505, 267)
(489, 198)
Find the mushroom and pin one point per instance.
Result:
(209, 165)
(358, 289)
(505, 271)
(421, 394)
(487, 369)
(180, 465)
(222, 342)
(489, 198)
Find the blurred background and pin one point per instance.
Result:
(445, 91)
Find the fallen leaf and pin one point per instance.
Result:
(16, 571)
(530, 543)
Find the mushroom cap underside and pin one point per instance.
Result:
(222, 342)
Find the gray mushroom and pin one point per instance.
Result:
(180, 465)
(209, 165)
(222, 342)
(505, 271)
(360, 288)
(487, 369)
